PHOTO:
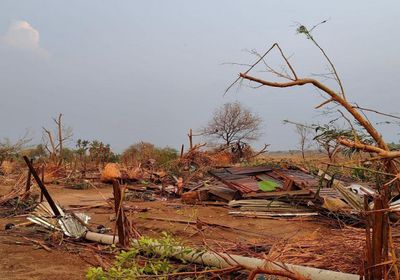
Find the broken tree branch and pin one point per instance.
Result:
(384, 154)
(334, 96)
(376, 112)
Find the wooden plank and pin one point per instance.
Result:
(226, 194)
(278, 194)
(192, 197)
(252, 214)
(288, 185)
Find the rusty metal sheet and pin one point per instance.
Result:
(224, 174)
(242, 183)
(245, 185)
(249, 170)
(241, 179)
(300, 178)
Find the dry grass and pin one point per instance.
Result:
(7, 167)
(340, 250)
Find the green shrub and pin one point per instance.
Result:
(143, 258)
(141, 153)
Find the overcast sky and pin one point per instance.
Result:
(125, 71)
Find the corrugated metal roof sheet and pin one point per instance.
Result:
(249, 170)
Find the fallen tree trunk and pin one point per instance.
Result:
(223, 260)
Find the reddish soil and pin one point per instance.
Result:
(29, 261)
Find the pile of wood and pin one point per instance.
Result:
(18, 190)
(18, 200)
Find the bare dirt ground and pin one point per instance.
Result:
(24, 260)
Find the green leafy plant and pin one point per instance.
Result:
(147, 256)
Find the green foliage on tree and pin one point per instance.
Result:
(328, 134)
(94, 151)
(10, 150)
(143, 152)
(394, 146)
(143, 258)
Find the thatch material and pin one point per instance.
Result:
(339, 250)
(111, 172)
(52, 172)
(18, 190)
(196, 158)
(135, 173)
(221, 158)
(7, 167)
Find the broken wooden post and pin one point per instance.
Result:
(123, 233)
(376, 226)
(41, 193)
(190, 135)
(182, 150)
(368, 247)
(28, 180)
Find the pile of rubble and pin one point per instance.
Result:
(278, 192)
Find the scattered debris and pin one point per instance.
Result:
(268, 208)
(51, 216)
(251, 192)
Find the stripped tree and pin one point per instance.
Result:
(54, 142)
(380, 256)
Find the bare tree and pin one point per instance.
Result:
(304, 131)
(234, 124)
(54, 145)
(379, 262)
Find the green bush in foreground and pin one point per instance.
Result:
(143, 258)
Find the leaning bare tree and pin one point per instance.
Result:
(54, 142)
(380, 255)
